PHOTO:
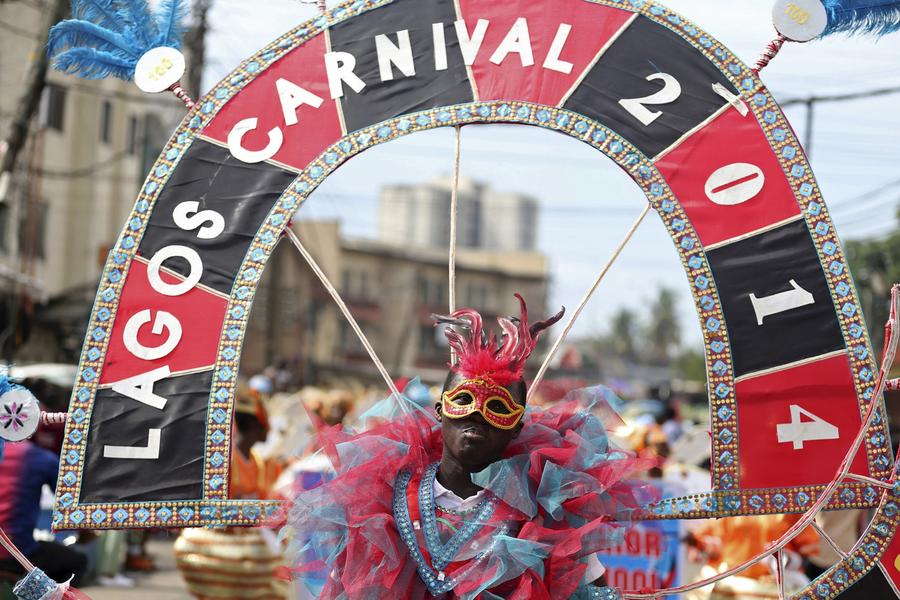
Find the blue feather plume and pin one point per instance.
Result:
(170, 22)
(108, 37)
(877, 17)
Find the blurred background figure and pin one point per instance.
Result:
(237, 563)
(726, 543)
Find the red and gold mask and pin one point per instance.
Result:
(492, 401)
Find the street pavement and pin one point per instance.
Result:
(164, 584)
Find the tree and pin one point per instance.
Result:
(29, 101)
(623, 332)
(875, 265)
(663, 333)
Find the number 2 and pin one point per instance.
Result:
(797, 432)
(670, 93)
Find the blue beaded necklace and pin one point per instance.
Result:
(441, 554)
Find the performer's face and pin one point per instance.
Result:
(473, 442)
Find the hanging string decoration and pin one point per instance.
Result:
(863, 17)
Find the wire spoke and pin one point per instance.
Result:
(830, 540)
(571, 322)
(292, 235)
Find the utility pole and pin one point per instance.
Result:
(196, 46)
(29, 100)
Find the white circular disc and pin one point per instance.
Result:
(158, 69)
(20, 414)
(800, 20)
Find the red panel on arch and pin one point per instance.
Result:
(824, 389)
(200, 312)
(891, 562)
(317, 128)
(592, 27)
(729, 139)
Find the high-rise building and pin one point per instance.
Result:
(88, 149)
(419, 216)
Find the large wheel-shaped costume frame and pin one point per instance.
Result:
(791, 372)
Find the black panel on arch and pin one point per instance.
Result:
(180, 462)
(873, 585)
(242, 193)
(428, 88)
(775, 277)
(645, 49)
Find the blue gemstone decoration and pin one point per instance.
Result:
(779, 134)
(829, 248)
(77, 517)
(717, 346)
(423, 120)
(836, 267)
(219, 416)
(98, 334)
(701, 282)
(544, 116)
(769, 117)
(726, 458)
(668, 207)
(722, 390)
(802, 498)
(93, 354)
(364, 139)
(724, 413)
(616, 147)
(688, 243)
(843, 289)
(229, 353)
(216, 482)
(484, 111)
(464, 113)
(233, 333)
(225, 373)
(789, 152)
(250, 512)
(76, 436)
(726, 482)
(404, 125)
(779, 500)
(142, 514)
(695, 262)
(66, 499)
(847, 495)
(444, 116)
(822, 228)
(582, 127)
(599, 136)
(208, 512)
(504, 110)
(79, 415)
(98, 516)
(120, 515)
(164, 514)
(720, 368)
(890, 509)
(841, 576)
(88, 374)
(217, 459)
(217, 437)
(346, 146)
(69, 478)
(798, 171)
(186, 513)
(725, 436)
(713, 324)
(383, 132)
(823, 590)
(848, 309)
(756, 502)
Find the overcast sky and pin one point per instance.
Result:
(587, 203)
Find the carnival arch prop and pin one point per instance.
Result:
(792, 377)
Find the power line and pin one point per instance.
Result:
(841, 97)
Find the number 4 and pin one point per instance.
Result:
(798, 432)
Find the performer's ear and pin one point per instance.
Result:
(437, 411)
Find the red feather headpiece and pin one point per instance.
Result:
(480, 355)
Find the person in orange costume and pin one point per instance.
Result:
(237, 563)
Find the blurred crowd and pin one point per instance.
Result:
(275, 456)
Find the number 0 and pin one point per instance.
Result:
(797, 432)
(670, 93)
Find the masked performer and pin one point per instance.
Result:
(480, 498)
